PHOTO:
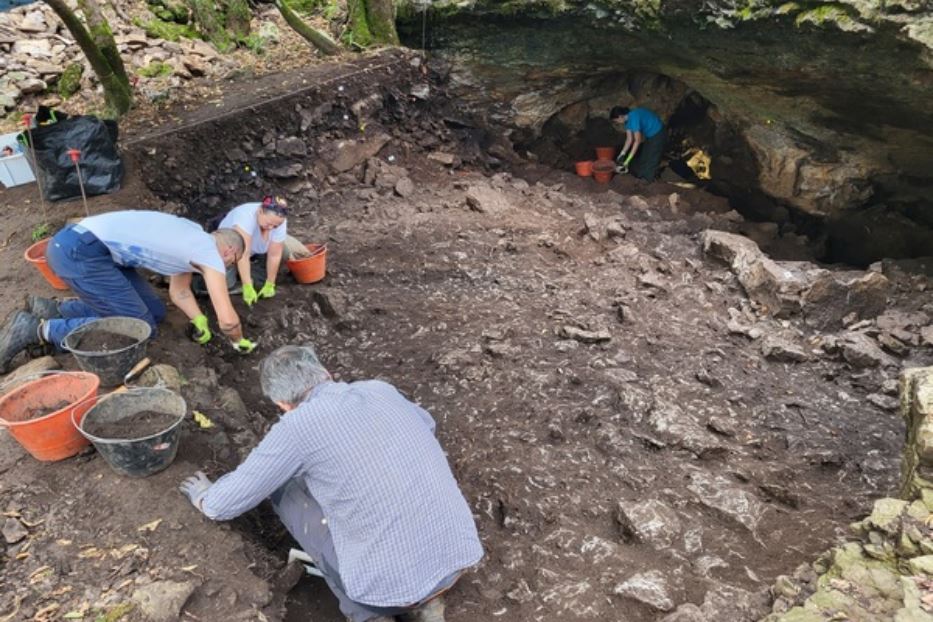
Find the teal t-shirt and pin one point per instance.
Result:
(644, 121)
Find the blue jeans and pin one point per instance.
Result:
(104, 289)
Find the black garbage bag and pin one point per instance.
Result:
(101, 167)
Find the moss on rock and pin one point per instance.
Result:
(155, 69)
(170, 31)
(70, 81)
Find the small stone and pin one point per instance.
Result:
(652, 522)
(926, 334)
(13, 531)
(649, 588)
(285, 171)
(922, 565)
(404, 187)
(860, 350)
(778, 349)
(884, 402)
(584, 336)
(162, 601)
(486, 200)
(726, 426)
(447, 159)
(291, 146)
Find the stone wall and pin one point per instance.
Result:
(886, 571)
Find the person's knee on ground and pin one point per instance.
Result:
(431, 611)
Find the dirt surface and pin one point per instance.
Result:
(571, 340)
(143, 423)
(105, 341)
(42, 411)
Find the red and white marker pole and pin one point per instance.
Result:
(75, 155)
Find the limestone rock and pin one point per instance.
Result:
(404, 187)
(447, 159)
(37, 48)
(30, 86)
(725, 497)
(926, 333)
(486, 200)
(291, 146)
(860, 350)
(286, 171)
(651, 521)
(764, 280)
(29, 371)
(162, 601)
(830, 299)
(779, 349)
(351, 153)
(34, 21)
(161, 375)
(650, 588)
(13, 531)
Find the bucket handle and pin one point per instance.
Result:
(30, 378)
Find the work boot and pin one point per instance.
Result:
(43, 308)
(431, 611)
(20, 332)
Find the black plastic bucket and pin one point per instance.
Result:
(137, 457)
(110, 366)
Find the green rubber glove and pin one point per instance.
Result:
(249, 295)
(628, 159)
(201, 333)
(268, 290)
(244, 346)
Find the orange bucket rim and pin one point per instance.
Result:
(315, 249)
(91, 393)
(32, 253)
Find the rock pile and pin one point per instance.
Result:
(41, 63)
(886, 572)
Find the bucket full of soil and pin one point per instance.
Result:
(603, 171)
(136, 431)
(109, 347)
(312, 268)
(35, 255)
(42, 414)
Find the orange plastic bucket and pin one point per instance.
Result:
(51, 436)
(605, 153)
(603, 171)
(584, 168)
(35, 255)
(309, 269)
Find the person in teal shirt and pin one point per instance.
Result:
(645, 139)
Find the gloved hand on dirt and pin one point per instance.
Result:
(200, 333)
(268, 290)
(244, 346)
(249, 294)
(195, 487)
(622, 168)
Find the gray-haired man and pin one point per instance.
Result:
(359, 480)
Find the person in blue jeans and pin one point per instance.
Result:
(98, 259)
(645, 139)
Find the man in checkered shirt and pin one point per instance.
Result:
(355, 473)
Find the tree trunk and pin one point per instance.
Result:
(210, 23)
(315, 37)
(103, 37)
(381, 17)
(236, 17)
(372, 22)
(116, 91)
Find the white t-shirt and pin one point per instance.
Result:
(155, 241)
(244, 217)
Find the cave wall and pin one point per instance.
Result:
(832, 120)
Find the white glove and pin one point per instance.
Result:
(195, 487)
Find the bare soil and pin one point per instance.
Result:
(467, 312)
(42, 411)
(143, 423)
(104, 341)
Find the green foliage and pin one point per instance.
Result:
(70, 81)
(332, 10)
(822, 14)
(255, 43)
(169, 11)
(306, 7)
(41, 231)
(155, 69)
(169, 31)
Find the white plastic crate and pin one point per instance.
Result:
(14, 169)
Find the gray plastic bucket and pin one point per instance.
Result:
(111, 366)
(137, 457)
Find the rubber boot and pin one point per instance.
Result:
(20, 332)
(42, 308)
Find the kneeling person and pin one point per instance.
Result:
(359, 480)
(98, 257)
